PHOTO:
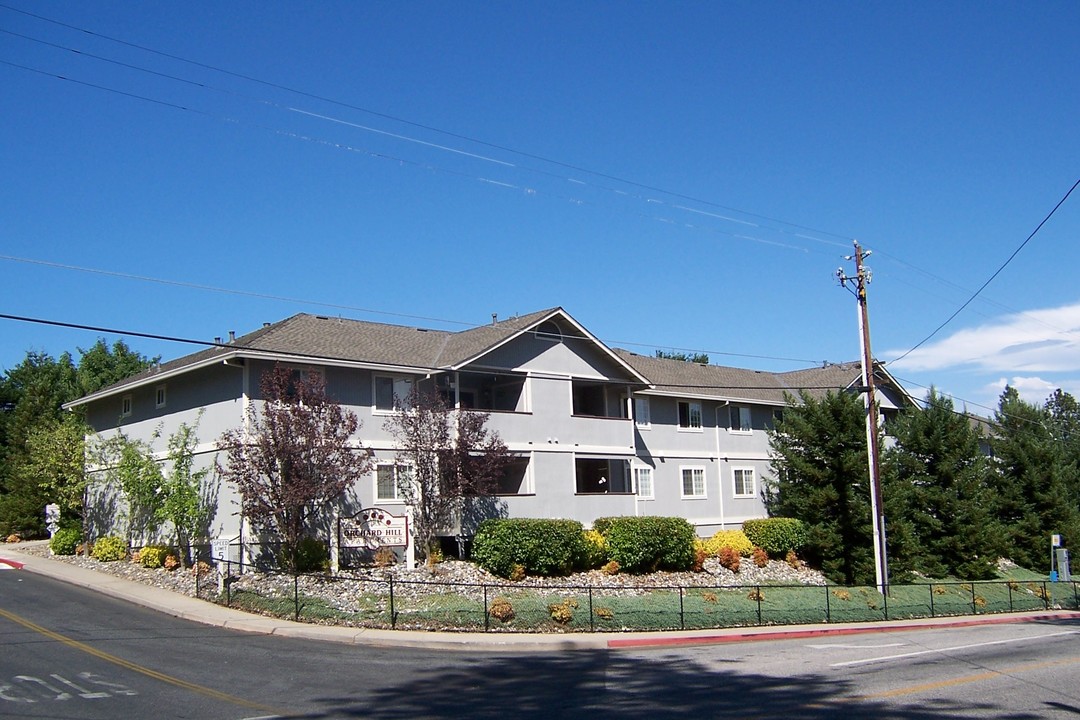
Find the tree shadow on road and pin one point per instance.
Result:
(604, 684)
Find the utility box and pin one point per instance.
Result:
(1061, 558)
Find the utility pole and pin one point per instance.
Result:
(861, 279)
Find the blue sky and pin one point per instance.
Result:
(675, 175)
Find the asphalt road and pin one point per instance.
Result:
(66, 652)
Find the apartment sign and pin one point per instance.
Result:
(373, 528)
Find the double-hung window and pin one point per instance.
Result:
(689, 415)
(693, 482)
(641, 413)
(739, 418)
(743, 481)
(387, 479)
(643, 484)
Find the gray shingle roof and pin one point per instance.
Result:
(330, 338)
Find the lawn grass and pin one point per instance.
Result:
(576, 609)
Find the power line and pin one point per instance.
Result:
(991, 279)
(280, 353)
(434, 129)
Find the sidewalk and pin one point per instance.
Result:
(190, 608)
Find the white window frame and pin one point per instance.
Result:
(649, 491)
(744, 413)
(735, 471)
(642, 416)
(160, 397)
(396, 467)
(683, 469)
(126, 405)
(394, 380)
(691, 406)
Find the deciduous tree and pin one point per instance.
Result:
(297, 453)
(450, 456)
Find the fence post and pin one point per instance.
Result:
(1076, 598)
(682, 612)
(296, 596)
(931, 586)
(757, 594)
(974, 607)
(393, 615)
(592, 625)
(487, 625)
(1046, 597)
(828, 608)
(1009, 585)
(885, 595)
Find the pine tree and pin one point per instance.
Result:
(1037, 475)
(949, 507)
(820, 476)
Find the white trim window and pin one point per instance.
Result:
(389, 392)
(739, 419)
(387, 478)
(693, 481)
(125, 406)
(641, 413)
(690, 415)
(159, 396)
(643, 484)
(743, 482)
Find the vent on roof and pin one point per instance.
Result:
(321, 317)
(232, 336)
(421, 329)
(266, 324)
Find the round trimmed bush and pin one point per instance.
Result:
(153, 556)
(109, 549)
(776, 536)
(539, 546)
(646, 544)
(65, 541)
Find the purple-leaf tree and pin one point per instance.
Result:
(446, 456)
(295, 455)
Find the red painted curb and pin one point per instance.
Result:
(13, 563)
(819, 632)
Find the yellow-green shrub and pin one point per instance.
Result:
(734, 539)
(153, 556)
(596, 550)
(109, 549)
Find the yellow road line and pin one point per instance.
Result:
(102, 655)
(914, 689)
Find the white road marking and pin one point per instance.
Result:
(855, 647)
(901, 656)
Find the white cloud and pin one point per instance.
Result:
(1039, 341)
(1032, 389)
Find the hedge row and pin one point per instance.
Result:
(514, 547)
(776, 536)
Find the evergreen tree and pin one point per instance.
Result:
(949, 501)
(820, 476)
(1037, 476)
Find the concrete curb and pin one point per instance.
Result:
(189, 608)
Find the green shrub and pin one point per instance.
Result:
(541, 547)
(735, 539)
(312, 555)
(65, 541)
(109, 549)
(646, 544)
(601, 525)
(153, 556)
(776, 536)
(596, 552)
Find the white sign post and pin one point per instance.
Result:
(219, 553)
(52, 518)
